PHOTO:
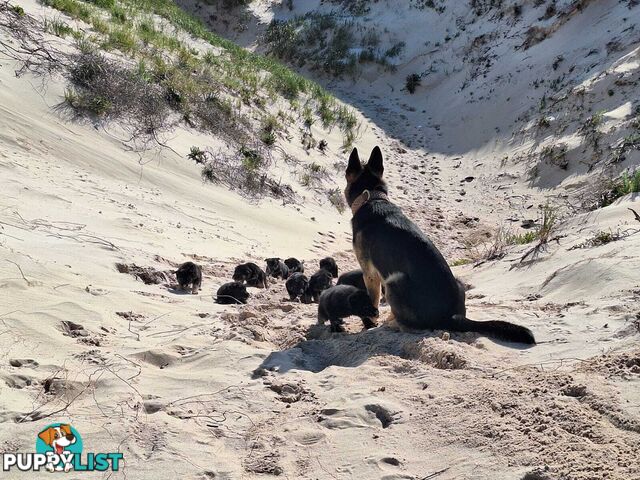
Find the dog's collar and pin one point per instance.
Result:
(365, 196)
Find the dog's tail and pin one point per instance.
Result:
(495, 328)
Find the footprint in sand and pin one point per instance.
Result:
(17, 381)
(72, 329)
(156, 357)
(23, 362)
(308, 438)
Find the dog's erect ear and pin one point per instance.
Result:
(47, 435)
(355, 167)
(375, 162)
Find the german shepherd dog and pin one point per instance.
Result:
(419, 285)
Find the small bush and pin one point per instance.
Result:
(106, 4)
(548, 221)
(555, 155)
(337, 199)
(18, 10)
(460, 261)
(57, 27)
(522, 238)
(412, 82)
(395, 50)
(197, 155)
(246, 171)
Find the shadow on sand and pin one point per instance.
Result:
(323, 349)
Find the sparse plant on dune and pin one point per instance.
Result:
(412, 82)
(246, 171)
(197, 155)
(337, 199)
(57, 27)
(555, 155)
(625, 184)
(547, 224)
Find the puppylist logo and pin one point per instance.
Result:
(59, 449)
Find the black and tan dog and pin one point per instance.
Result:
(420, 287)
(294, 265)
(232, 293)
(189, 274)
(297, 285)
(330, 265)
(277, 268)
(341, 301)
(319, 282)
(251, 274)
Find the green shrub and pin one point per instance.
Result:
(197, 155)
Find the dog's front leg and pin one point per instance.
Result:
(373, 283)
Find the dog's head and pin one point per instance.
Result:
(273, 265)
(361, 304)
(58, 437)
(364, 177)
(330, 265)
(241, 273)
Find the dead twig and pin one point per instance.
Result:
(435, 474)
(29, 283)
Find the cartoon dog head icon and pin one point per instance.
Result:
(58, 437)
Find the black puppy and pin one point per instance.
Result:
(353, 277)
(251, 274)
(232, 293)
(297, 285)
(343, 301)
(319, 281)
(277, 268)
(356, 278)
(329, 264)
(294, 265)
(189, 274)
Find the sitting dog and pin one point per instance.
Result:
(58, 438)
(330, 265)
(232, 293)
(294, 265)
(319, 281)
(251, 274)
(297, 285)
(343, 301)
(189, 274)
(420, 287)
(277, 268)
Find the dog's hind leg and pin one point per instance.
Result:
(397, 289)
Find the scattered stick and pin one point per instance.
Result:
(435, 474)
(635, 214)
(29, 283)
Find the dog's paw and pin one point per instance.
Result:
(390, 322)
(337, 328)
